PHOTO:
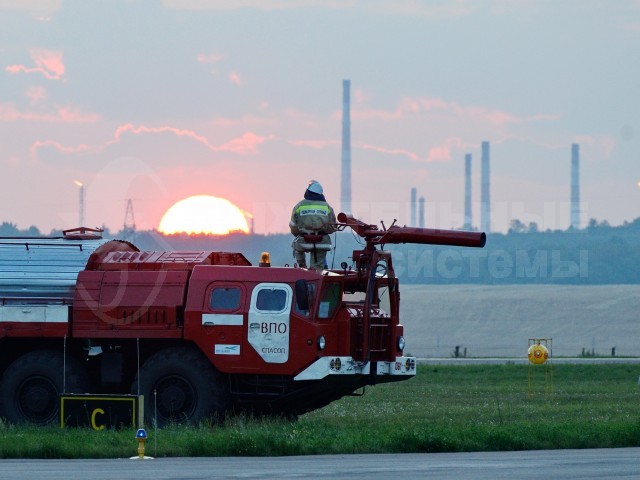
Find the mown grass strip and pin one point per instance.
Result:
(444, 409)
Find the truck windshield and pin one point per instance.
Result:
(329, 300)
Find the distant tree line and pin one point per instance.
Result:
(597, 254)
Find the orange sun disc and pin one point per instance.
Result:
(203, 214)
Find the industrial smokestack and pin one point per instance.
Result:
(345, 188)
(414, 206)
(421, 213)
(81, 203)
(467, 191)
(485, 202)
(575, 186)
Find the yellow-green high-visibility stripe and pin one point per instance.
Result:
(312, 209)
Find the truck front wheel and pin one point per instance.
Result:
(32, 383)
(181, 386)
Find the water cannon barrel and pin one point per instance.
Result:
(425, 236)
(429, 236)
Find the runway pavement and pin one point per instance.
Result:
(524, 360)
(535, 465)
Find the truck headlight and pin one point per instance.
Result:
(321, 342)
(401, 343)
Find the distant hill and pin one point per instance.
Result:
(598, 254)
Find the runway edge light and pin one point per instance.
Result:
(141, 437)
(540, 353)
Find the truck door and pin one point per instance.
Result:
(223, 318)
(269, 314)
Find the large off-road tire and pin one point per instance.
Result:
(181, 386)
(31, 386)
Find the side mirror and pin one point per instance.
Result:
(302, 295)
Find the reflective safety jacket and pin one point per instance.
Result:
(312, 216)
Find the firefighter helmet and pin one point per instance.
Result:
(315, 187)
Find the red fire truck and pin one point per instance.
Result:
(199, 334)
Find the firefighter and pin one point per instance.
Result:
(312, 220)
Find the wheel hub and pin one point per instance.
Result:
(175, 398)
(38, 399)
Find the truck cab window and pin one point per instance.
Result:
(225, 298)
(271, 300)
(311, 294)
(329, 300)
(383, 300)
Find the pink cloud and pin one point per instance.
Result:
(63, 114)
(603, 144)
(234, 78)
(247, 144)
(443, 152)
(48, 63)
(73, 115)
(409, 107)
(440, 153)
(82, 148)
(406, 107)
(392, 151)
(433, 104)
(210, 58)
(35, 94)
(374, 114)
(130, 128)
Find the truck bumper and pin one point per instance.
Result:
(325, 366)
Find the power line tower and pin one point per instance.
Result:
(129, 224)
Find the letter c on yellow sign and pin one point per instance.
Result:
(93, 419)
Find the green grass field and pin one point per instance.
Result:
(443, 409)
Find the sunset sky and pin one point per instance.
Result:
(156, 101)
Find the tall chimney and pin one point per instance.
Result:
(345, 188)
(575, 186)
(485, 201)
(80, 202)
(467, 191)
(414, 205)
(421, 212)
(81, 206)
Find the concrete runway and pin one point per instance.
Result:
(524, 361)
(597, 464)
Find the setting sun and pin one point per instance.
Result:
(203, 214)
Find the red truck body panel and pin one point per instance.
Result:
(138, 294)
(129, 304)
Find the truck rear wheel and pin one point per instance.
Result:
(31, 386)
(181, 386)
